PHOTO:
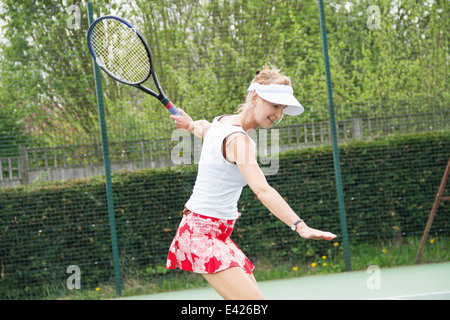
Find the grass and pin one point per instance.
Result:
(383, 255)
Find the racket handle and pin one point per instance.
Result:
(173, 110)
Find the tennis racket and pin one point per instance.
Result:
(123, 54)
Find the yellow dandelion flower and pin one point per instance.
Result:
(97, 289)
(431, 240)
(324, 257)
(313, 264)
(324, 264)
(294, 268)
(336, 244)
(384, 251)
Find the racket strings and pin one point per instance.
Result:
(120, 50)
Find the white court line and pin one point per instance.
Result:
(412, 295)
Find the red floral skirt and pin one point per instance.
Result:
(202, 244)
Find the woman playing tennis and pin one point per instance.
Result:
(227, 163)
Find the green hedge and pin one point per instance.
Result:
(389, 188)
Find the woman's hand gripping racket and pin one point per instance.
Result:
(122, 52)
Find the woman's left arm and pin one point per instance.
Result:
(241, 151)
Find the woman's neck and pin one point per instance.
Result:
(247, 120)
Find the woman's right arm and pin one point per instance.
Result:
(185, 122)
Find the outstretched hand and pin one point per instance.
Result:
(309, 233)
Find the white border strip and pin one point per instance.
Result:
(412, 295)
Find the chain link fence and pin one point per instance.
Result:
(389, 65)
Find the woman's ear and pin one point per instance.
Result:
(254, 98)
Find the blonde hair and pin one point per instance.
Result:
(268, 75)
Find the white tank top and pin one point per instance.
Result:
(219, 183)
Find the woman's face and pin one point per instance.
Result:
(267, 113)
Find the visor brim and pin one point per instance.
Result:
(293, 108)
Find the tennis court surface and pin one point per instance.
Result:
(419, 282)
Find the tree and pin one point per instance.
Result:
(206, 53)
(46, 67)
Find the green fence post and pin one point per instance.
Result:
(337, 166)
(107, 165)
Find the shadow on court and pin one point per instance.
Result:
(419, 282)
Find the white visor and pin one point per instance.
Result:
(279, 94)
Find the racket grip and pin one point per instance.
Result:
(172, 109)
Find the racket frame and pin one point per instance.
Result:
(161, 96)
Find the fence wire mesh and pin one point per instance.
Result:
(389, 65)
